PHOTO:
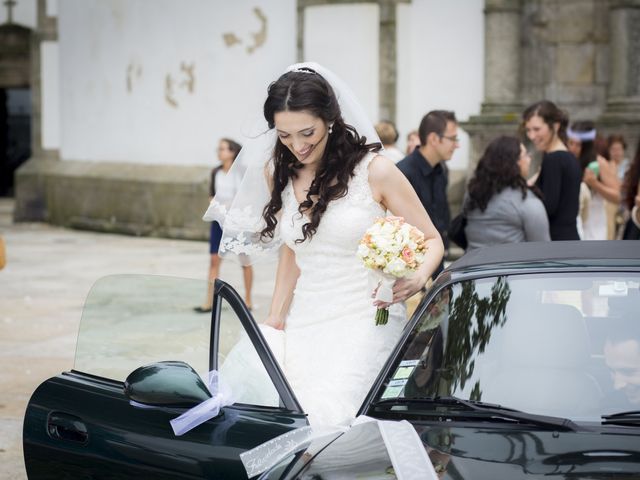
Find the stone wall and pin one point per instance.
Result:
(154, 200)
(580, 54)
(565, 53)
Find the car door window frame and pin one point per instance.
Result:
(224, 291)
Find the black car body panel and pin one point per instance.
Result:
(122, 441)
(484, 453)
(83, 426)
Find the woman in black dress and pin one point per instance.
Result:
(560, 175)
(631, 198)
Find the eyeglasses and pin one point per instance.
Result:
(453, 139)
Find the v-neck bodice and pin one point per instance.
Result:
(341, 227)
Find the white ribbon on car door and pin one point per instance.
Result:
(221, 396)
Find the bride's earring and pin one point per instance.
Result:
(330, 129)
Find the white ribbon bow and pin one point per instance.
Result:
(406, 451)
(221, 396)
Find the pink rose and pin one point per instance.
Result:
(408, 255)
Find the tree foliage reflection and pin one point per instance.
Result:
(471, 321)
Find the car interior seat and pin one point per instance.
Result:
(543, 366)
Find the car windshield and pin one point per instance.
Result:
(564, 345)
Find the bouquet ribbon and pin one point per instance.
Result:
(383, 286)
(406, 451)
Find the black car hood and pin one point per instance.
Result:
(496, 453)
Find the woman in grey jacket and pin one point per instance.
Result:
(499, 206)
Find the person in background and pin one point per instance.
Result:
(622, 353)
(631, 198)
(499, 206)
(425, 170)
(598, 174)
(413, 141)
(616, 149)
(223, 186)
(560, 176)
(3, 254)
(389, 136)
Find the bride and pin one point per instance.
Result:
(318, 182)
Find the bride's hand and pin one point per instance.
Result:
(403, 289)
(274, 321)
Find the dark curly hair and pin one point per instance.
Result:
(497, 169)
(308, 91)
(631, 179)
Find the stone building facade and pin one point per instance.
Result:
(581, 54)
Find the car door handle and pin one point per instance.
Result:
(62, 426)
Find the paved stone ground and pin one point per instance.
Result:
(42, 289)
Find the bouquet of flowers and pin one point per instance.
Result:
(391, 249)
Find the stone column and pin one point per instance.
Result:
(46, 31)
(622, 113)
(387, 49)
(31, 177)
(502, 56)
(501, 109)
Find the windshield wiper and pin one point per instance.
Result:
(631, 417)
(497, 411)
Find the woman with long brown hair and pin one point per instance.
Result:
(560, 176)
(319, 185)
(499, 205)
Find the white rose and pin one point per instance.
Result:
(396, 267)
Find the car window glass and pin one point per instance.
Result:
(133, 320)
(239, 364)
(561, 345)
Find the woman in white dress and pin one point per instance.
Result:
(598, 174)
(325, 186)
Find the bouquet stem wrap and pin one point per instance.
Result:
(383, 286)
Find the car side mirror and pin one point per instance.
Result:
(166, 384)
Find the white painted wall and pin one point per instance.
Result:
(50, 90)
(345, 38)
(440, 64)
(116, 57)
(24, 13)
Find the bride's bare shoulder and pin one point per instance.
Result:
(381, 167)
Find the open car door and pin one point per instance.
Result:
(82, 424)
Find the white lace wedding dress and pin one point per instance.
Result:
(333, 349)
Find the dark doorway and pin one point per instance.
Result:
(15, 134)
(15, 102)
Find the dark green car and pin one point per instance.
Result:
(523, 361)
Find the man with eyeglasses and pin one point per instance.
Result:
(426, 171)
